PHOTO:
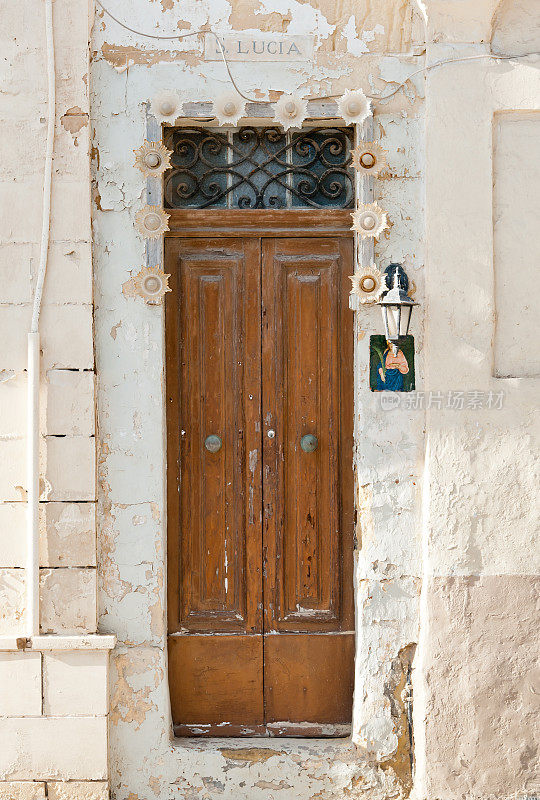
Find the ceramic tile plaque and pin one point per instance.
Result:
(391, 371)
(259, 46)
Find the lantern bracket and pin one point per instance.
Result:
(388, 279)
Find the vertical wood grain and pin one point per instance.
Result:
(213, 332)
(307, 389)
(259, 338)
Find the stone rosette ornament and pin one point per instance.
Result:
(151, 283)
(354, 106)
(290, 111)
(152, 222)
(228, 108)
(367, 284)
(166, 106)
(369, 158)
(152, 158)
(369, 220)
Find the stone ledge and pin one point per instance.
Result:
(53, 642)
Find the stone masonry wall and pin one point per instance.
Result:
(53, 688)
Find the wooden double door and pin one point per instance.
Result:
(260, 499)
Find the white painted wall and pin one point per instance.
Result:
(53, 689)
(447, 498)
(129, 348)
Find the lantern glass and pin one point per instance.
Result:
(405, 320)
(397, 319)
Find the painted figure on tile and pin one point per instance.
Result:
(392, 369)
(391, 364)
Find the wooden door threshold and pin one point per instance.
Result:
(273, 730)
(218, 730)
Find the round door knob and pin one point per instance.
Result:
(309, 443)
(271, 433)
(213, 443)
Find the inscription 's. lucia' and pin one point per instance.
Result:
(259, 46)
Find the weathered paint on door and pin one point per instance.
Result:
(259, 353)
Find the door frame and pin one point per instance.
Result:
(193, 223)
(240, 223)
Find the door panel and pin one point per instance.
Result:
(214, 508)
(218, 331)
(217, 685)
(259, 340)
(308, 679)
(307, 390)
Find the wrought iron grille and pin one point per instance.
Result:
(259, 168)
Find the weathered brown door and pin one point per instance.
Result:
(259, 386)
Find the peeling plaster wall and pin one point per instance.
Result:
(476, 694)
(446, 565)
(67, 453)
(53, 687)
(447, 562)
(353, 43)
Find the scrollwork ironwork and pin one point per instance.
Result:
(259, 168)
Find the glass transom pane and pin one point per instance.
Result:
(259, 168)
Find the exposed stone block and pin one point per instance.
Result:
(69, 273)
(14, 322)
(69, 748)
(70, 471)
(66, 337)
(68, 600)
(71, 141)
(13, 387)
(12, 534)
(70, 209)
(20, 685)
(69, 270)
(67, 534)
(12, 469)
(12, 602)
(67, 469)
(482, 677)
(22, 790)
(21, 209)
(78, 790)
(67, 403)
(75, 684)
(15, 268)
(72, 26)
(70, 403)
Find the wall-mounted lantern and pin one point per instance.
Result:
(395, 303)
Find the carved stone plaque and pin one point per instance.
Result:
(259, 46)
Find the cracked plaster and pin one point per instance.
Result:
(131, 540)
(472, 541)
(356, 44)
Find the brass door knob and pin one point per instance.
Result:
(213, 443)
(309, 443)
